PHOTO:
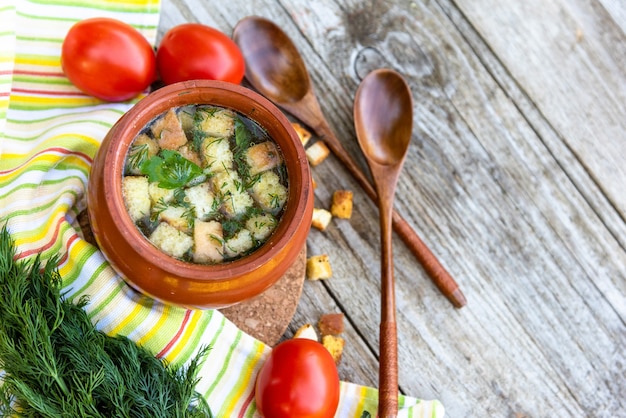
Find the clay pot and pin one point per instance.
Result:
(162, 277)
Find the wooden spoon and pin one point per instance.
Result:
(275, 69)
(383, 117)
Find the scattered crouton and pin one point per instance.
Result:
(331, 324)
(262, 157)
(334, 345)
(317, 153)
(306, 331)
(341, 206)
(168, 131)
(302, 132)
(135, 191)
(318, 267)
(321, 218)
(313, 182)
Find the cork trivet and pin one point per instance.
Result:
(264, 317)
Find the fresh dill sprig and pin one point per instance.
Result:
(57, 364)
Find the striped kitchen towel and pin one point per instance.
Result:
(49, 134)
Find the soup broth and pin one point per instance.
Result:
(205, 184)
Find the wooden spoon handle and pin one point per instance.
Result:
(388, 371)
(431, 264)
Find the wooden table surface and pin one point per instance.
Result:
(515, 179)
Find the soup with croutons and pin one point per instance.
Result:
(204, 184)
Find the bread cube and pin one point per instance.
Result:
(317, 153)
(229, 188)
(176, 216)
(341, 206)
(321, 218)
(215, 122)
(331, 324)
(318, 267)
(209, 242)
(170, 240)
(262, 157)
(135, 191)
(334, 345)
(217, 154)
(269, 193)
(302, 132)
(160, 195)
(238, 244)
(261, 226)
(187, 151)
(202, 199)
(168, 131)
(142, 148)
(306, 331)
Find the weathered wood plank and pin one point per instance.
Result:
(520, 200)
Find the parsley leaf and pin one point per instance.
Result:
(170, 169)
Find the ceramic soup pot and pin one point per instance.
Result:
(160, 276)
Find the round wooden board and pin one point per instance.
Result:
(266, 316)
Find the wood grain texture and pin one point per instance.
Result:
(514, 179)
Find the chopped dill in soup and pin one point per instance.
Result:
(204, 184)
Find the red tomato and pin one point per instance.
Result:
(192, 51)
(108, 59)
(298, 379)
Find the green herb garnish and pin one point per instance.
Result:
(170, 169)
(57, 364)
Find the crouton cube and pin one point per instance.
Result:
(142, 148)
(202, 199)
(176, 216)
(331, 324)
(187, 151)
(160, 195)
(215, 122)
(217, 154)
(341, 205)
(170, 240)
(262, 157)
(209, 242)
(306, 331)
(229, 189)
(269, 193)
(135, 191)
(318, 267)
(317, 153)
(334, 345)
(302, 132)
(168, 131)
(238, 244)
(321, 218)
(261, 226)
